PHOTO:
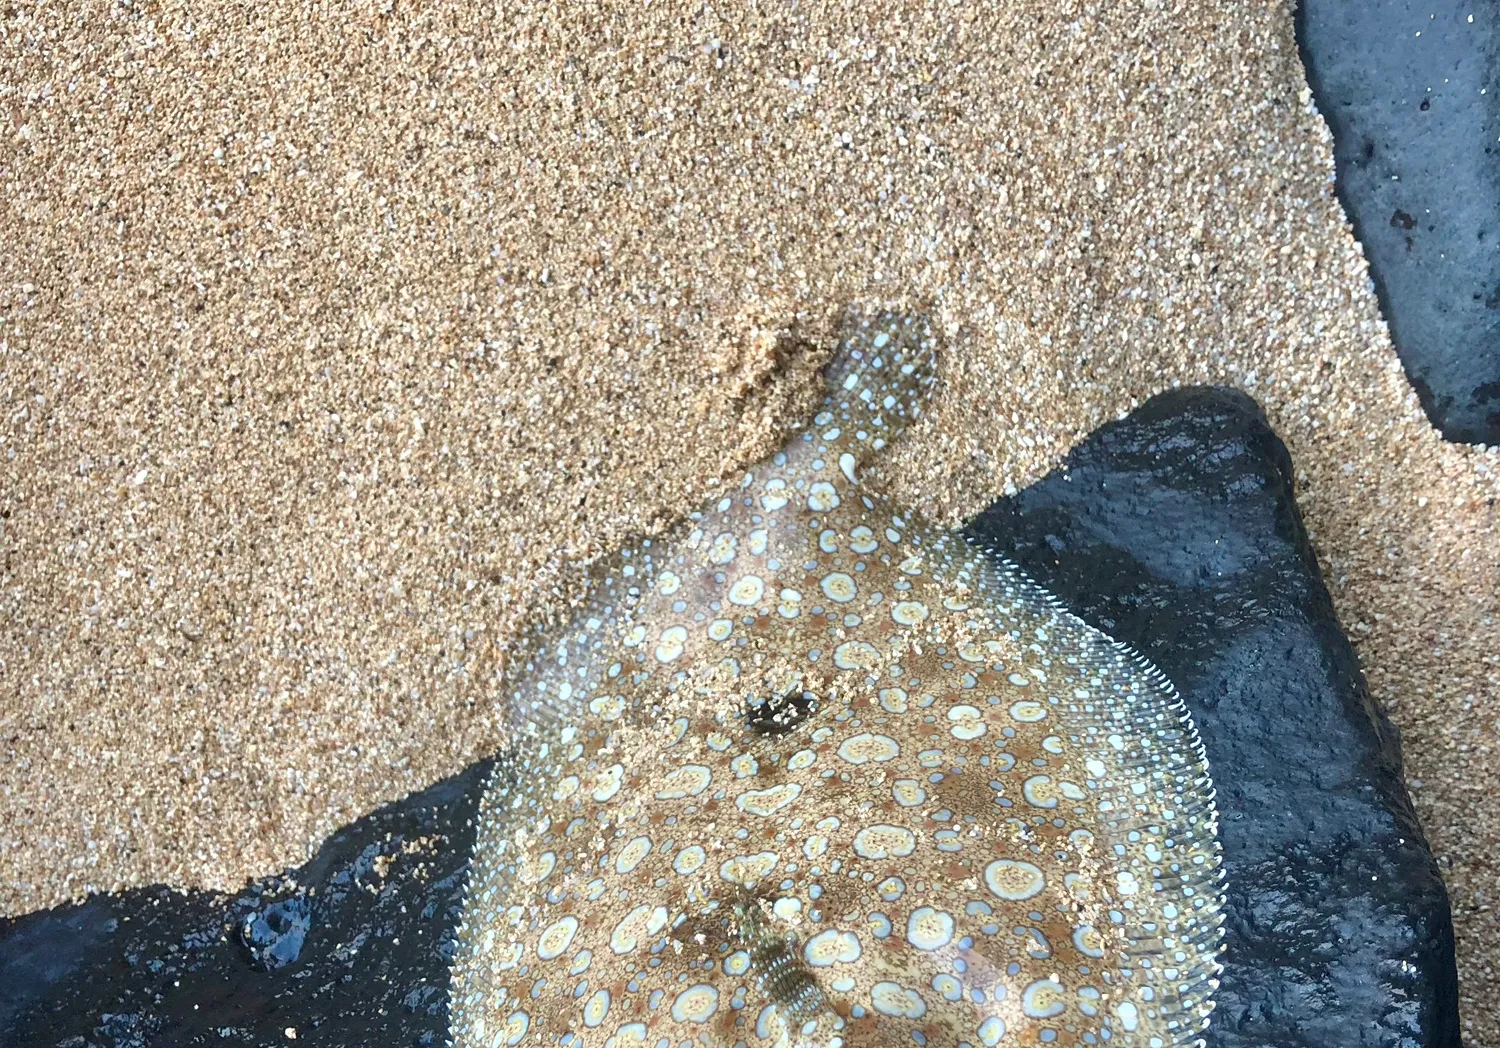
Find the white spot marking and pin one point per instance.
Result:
(881, 841)
(1013, 880)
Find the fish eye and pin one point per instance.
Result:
(780, 715)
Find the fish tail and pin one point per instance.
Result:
(878, 380)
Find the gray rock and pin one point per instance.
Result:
(1412, 95)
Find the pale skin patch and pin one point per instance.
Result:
(910, 774)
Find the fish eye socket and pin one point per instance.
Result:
(780, 715)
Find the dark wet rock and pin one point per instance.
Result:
(1176, 531)
(351, 949)
(1417, 150)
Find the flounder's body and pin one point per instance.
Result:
(814, 772)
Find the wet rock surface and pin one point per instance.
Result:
(1175, 530)
(348, 950)
(1417, 151)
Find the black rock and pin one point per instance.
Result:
(1417, 154)
(351, 949)
(1175, 530)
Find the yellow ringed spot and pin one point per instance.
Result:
(744, 766)
(747, 591)
(1018, 680)
(689, 860)
(770, 801)
(556, 938)
(631, 1035)
(631, 855)
(723, 549)
(866, 747)
(608, 784)
(765, 1021)
(533, 871)
(991, 1030)
(967, 722)
(737, 963)
(1039, 792)
(828, 541)
(889, 998)
(929, 929)
(1028, 712)
(909, 612)
(881, 841)
(908, 793)
(566, 787)
(822, 497)
(1043, 999)
(1014, 880)
(675, 731)
(862, 540)
(696, 1004)
(839, 587)
(670, 645)
(686, 781)
(801, 759)
(668, 583)
(1053, 744)
(516, 1025)
(607, 707)
(720, 629)
(747, 870)
(759, 539)
(581, 962)
(857, 655)
(815, 847)
(596, 1008)
(791, 604)
(641, 921)
(1087, 941)
(831, 947)
(949, 988)
(893, 700)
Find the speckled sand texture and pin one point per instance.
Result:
(328, 342)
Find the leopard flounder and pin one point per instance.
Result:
(813, 772)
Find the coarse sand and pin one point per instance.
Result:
(333, 338)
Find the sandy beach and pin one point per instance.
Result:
(331, 345)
